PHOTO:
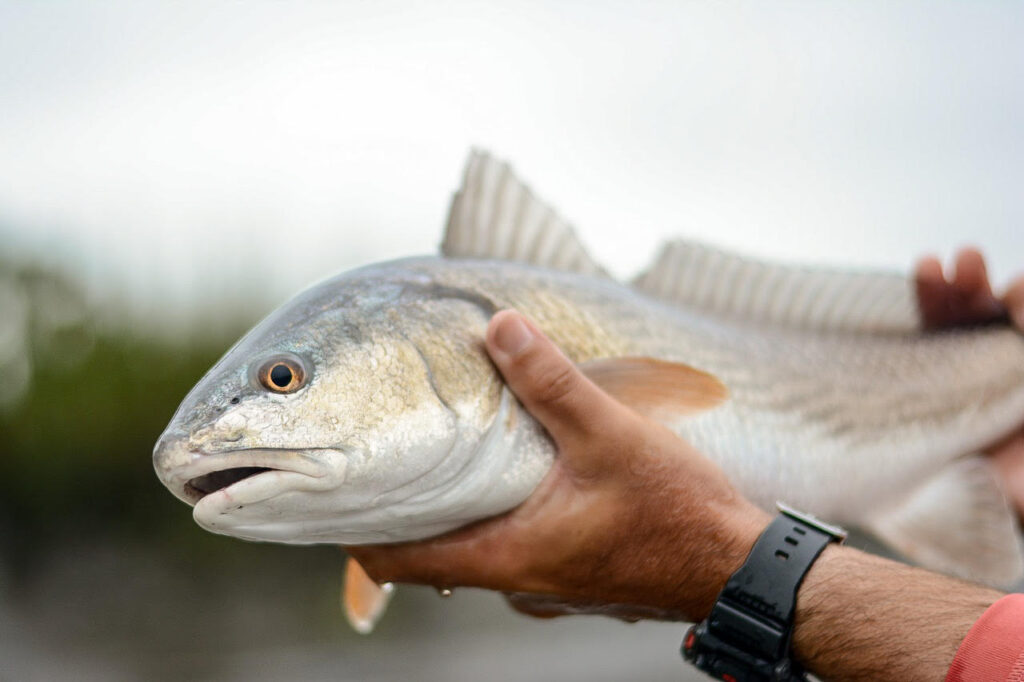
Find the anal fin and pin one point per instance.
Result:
(363, 599)
(959, 523)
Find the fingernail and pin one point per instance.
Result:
(512, 335)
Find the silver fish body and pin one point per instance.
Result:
(403, 428)
(404, 405)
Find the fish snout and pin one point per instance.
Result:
(171, 456)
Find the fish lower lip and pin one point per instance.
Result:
(201, 486)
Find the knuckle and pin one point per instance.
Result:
(556, 384)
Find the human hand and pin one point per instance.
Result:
(630, 521)
(967, 298)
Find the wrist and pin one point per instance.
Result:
(740, 527)
(748, 633)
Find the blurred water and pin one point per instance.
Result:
(99, 609)
(102, 611)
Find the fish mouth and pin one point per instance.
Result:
(226, 472)
(199, 487)
(193, 475)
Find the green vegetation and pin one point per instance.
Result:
(75, 446)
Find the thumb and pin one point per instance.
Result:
(548, 384)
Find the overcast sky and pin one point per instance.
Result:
(184, 151)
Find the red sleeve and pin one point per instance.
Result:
(993, 650)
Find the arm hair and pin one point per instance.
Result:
(861, 617)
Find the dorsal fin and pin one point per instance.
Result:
(495, 215)
(697, 276)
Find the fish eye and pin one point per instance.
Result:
(282, 374)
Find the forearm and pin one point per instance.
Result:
(861, 617)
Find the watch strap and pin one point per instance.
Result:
(749, 629)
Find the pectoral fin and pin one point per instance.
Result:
(960, 523)
(656, 388)
(363, 599)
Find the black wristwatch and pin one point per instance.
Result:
(746, 638)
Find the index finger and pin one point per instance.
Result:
(469, 557)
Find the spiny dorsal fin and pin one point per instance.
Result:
(494, 215)
(698, 276)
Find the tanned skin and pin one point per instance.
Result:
(633, 522)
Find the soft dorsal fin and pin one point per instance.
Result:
(495, 215)
(701, 277)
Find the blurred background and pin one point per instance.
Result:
(170, 172)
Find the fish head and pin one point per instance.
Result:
(356, 413)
